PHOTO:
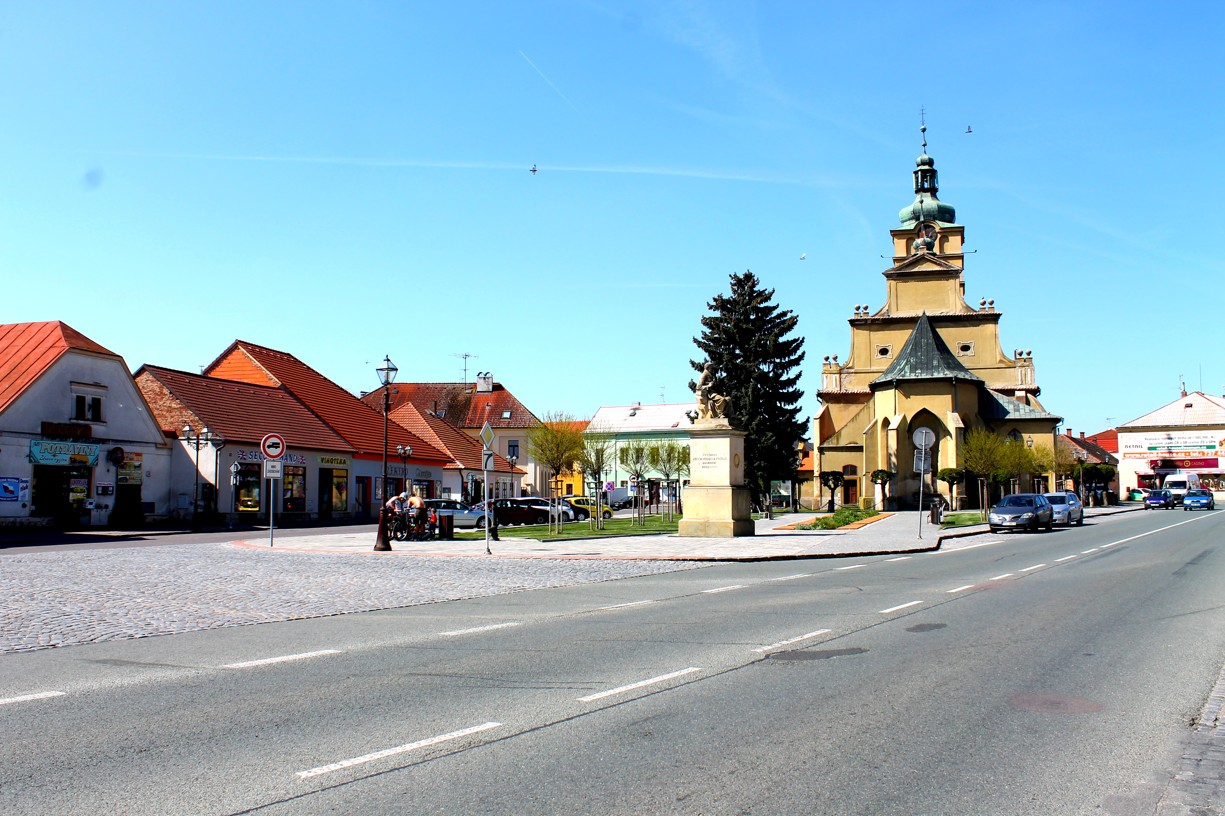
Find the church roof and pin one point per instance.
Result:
(996, 407)
(924, 357)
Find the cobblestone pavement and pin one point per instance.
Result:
(56, 599)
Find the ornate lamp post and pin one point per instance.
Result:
(404, 451)
(514, 493)
(387, 375)
(204, 437)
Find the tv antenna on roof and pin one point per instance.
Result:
(465, 355)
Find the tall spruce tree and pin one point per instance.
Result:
(756, 363)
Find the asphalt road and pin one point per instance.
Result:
(1040, 674)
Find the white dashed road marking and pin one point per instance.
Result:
(900, 606)
(491, 627)
(793, 577)
(662, 678)
(960, 589)
(793, 640)
(1034, 567)
(25, 698)
(625, 605)
(851, 567)
(723, 589)
(400, 749)
(267, 661)
(1005, 575)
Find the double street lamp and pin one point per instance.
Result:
(387, 375)
(404, 451)
(198, 439)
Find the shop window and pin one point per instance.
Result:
(247, 490)
(294, 490)
(340, 491)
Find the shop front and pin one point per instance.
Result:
(62, 481)
(1148, 457)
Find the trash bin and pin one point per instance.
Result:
(446, 526)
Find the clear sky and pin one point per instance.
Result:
(348, 180)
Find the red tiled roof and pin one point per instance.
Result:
(359, 423)
(29, 349)
(238, 411)
(1109, 440)
(486, 405)
(463, 449)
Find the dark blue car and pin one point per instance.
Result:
(1159, 498)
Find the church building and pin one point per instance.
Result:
(925, 366)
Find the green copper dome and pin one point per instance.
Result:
(926, 206)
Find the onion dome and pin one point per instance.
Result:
(926, 206)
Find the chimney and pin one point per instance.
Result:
(1082, 434)
(1069, 431)
(484, 383)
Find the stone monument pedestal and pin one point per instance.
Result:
(717, 504)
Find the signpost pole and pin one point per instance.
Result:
(271, 509)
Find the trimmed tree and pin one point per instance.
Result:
(748, 339)
(595, 459)
(951, 477)
(882, 477)
(832, 479)
(556, 444)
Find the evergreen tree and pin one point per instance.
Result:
(748, 339)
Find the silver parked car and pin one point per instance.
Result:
(1022, 511)
(464, 515)
(1068, 509)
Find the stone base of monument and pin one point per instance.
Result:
(717, 504)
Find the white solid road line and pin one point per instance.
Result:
(267, 661)
(412, 746)
(900, 606)
(625, 605)
(960, 588)
(724, 589)
(793, 640)
(662, 678)
(491, 627)
(25, 698)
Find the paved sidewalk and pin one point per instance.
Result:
(773, 539)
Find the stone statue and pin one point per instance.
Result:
(710, 404)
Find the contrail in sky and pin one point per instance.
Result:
(551, 85)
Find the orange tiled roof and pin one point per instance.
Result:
(463, 449)
(238, 411)
(31, 348)
(489, 405)
(359, 423)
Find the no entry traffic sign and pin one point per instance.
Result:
(272, 446)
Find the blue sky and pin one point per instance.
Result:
(348, 180)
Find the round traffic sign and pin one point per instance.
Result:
(923, 438)
(272, 446)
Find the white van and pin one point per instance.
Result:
(1179, 483)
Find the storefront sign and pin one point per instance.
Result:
(1171, 444)
(46, 452)
(1179, 463)
(130, 472)
(334, 461)
(246, 455)
(14, 489)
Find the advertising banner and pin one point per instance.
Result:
(46, 452)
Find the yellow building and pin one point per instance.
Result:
(924, 359)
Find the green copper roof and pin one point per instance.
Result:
(926, 206)
(999, 407)
(924, 357)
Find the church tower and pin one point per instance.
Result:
(924, 359)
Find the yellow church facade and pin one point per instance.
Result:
(926, 359)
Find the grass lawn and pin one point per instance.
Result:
(654, 525)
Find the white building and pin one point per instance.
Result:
(1185, 436)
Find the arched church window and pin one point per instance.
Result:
(850, 470)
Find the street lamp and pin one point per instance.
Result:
(191, 437)
(404, 452)
(387, 375)
(512, 460)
